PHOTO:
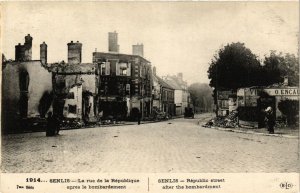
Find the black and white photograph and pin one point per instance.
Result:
(150, 87)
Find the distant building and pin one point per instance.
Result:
(163, 95)
(182, 96)
(26, 89)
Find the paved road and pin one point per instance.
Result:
(178, 145)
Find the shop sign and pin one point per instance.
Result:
(282, 91)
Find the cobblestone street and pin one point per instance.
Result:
(178, 145)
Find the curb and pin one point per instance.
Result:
(252, 132)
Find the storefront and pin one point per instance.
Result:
(253, 101)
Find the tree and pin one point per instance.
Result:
(201, 96)
(277, 66)
(234, 66)
(289, 108)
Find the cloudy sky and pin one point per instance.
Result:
(177, 36)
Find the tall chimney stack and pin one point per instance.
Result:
(180, 76)
(138, 49)
(74, 52)
(154, 70)
(113, 42)
(28, 48)
(43, 53)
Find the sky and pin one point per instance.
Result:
(177, 36)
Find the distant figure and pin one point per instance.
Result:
(270, 119)
(139, 116)
(52, 125)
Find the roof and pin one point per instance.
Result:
(163, 83)
(118, 55)
(65, 68)
(176, 83)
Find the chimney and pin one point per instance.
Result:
(28, 48)
(180, 76)
(286, 81)
(113, 42)
(74, 52)
(138, 49)
(18, 52)
(43, 53)
(154, 70)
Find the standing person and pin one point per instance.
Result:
(139, 115)
(270, 118)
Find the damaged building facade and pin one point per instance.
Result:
(113, 85)
(253, 101)
(125, 81)
(26, 87)
(75, 87)
(249, 104)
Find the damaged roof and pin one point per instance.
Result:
(65, 68)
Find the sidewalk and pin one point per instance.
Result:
(279, 132)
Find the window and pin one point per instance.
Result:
(70, 95)
(72, 109)
(105, 68)
(123, 69)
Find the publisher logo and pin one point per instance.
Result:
(286, 185)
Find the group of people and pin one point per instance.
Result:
(53, 125)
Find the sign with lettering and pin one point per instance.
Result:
(282, 91)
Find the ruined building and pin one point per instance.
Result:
(125, 83)
(26, 88)
(74, 87)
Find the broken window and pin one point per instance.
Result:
(123, 69)
(72, 109)
(105, 68)
(24, 80)
(70, 95)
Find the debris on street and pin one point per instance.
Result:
(229, 121)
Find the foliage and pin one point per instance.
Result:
(289, 108)
(234, 66)
(277, 66)
(201, 96)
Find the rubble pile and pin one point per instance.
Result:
(229, 121)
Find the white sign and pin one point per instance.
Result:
(282, 91)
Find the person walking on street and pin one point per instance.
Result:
(139, 115)
(270, 119)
